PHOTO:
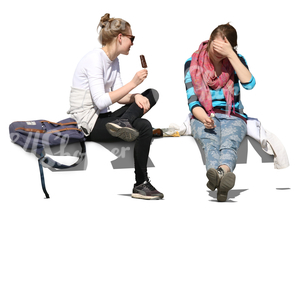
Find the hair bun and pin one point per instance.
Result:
(104, 20)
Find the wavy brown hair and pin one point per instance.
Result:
(225, 30)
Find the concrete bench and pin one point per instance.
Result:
(123, 152)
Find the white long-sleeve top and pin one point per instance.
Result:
(97, 73)
(94, 77)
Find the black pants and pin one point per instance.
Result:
(134, 114)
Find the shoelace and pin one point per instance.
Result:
(125, 122)
(150, 186)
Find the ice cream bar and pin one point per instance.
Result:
(143, 61)
(212, 115)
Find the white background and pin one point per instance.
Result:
(90, 240)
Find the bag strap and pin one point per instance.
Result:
(54, 164)
(42, 176)
(63, 129)
(61, 124)
(51, 131)
(31, 130)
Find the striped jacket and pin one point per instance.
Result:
(218, 98)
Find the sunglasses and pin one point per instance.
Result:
(131, 37)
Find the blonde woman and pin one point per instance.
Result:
(97, 85)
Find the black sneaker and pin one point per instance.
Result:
(122, 129)
(146, 191)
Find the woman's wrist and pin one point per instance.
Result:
(132, 98)
(133, 84)
(199, 113)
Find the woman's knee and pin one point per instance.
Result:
(152, 95)
(144, 127)
(232, 143)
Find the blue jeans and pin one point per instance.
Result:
(220, 144)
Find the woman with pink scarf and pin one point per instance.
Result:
(212, 77)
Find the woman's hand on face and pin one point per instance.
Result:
(224, 48)
(209, 123)
(142, 102)
(140, 76)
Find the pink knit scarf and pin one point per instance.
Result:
(203, 77)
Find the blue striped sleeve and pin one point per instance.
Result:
(191, 96)
(248, 85)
